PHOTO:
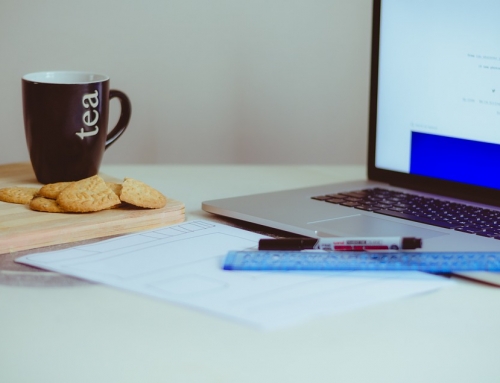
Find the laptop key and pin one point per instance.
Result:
(334, 200)
(364, 207)
(400, 209)
(321, 197)
(349, 204)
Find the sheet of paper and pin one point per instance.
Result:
(182, 264)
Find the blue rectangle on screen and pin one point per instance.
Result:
(455, 159)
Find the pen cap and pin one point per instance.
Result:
(412, 243)
(287, 244)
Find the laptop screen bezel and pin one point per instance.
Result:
(411, 181)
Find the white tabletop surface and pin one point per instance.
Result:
(56, 329)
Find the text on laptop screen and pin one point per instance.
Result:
(438, 112)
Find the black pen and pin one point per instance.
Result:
(342, 244)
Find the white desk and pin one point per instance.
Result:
(80, 332)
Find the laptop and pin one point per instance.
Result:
(434, 138)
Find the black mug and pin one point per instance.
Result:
(66, 120)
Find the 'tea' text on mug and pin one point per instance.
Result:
(91, 116)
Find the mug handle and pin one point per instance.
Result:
(121, 125)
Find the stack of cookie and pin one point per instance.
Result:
(88, 195)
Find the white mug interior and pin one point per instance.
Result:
(65, 77)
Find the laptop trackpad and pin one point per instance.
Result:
(362, 225)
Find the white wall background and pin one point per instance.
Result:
(211, 81)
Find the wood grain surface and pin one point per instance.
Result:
(22, 228)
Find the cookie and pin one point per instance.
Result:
(52, 190)
(45, 204)
(21, 195)
(137, 193)
(87, 195)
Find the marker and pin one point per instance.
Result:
(342, 244)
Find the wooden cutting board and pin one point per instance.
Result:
(22, 228)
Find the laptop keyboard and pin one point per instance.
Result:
(431, 211)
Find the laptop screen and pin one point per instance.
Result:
(436, 91)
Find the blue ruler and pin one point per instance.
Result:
(438, 262)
